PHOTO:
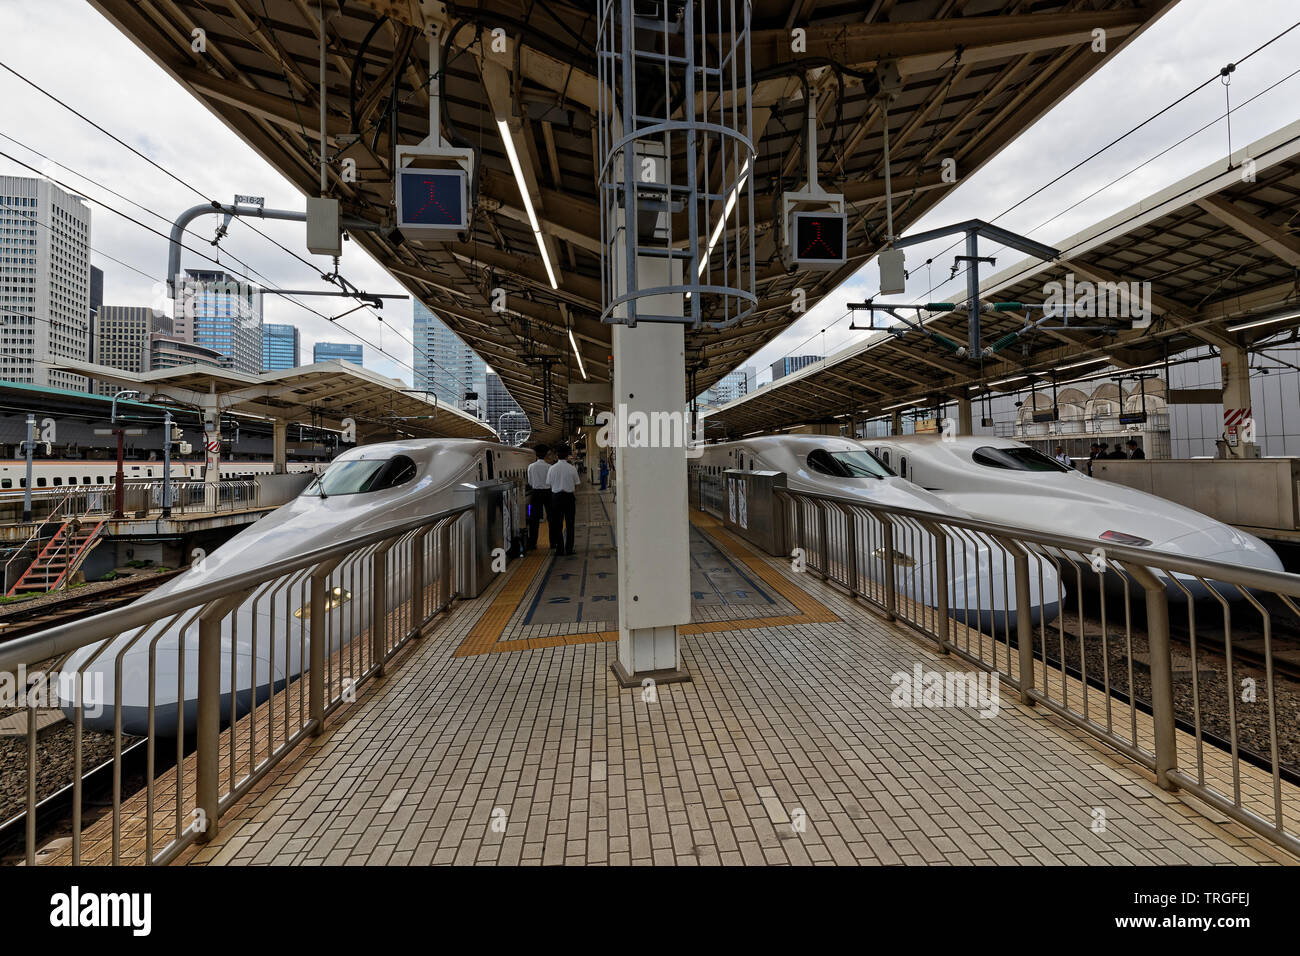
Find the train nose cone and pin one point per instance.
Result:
(1225, 544)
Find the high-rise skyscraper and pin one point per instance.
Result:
(336, 352)
(503, 413)
(446, 366)
(218, 311)
(279, 347)
(122, 339)
(44, 282)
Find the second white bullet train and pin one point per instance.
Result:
(1002, 480)
(981, 578)
(378, 487)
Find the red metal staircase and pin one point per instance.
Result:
(60, 557)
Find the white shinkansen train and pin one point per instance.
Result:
(981, 582)
(1001, 480)
(366, 489)
(49, 474)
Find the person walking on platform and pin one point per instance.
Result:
(1134, 452)
(563, 480)
(539, 493)
(1062, 458)
(604, 473)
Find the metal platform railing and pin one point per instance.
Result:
(302, 634)
(1204, 714)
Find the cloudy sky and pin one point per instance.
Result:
(70, 50)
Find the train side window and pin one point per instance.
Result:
(489, 465)
(22, 482)
(85, 479)
(884, 456)
(57, 481)
(902, 466)
(99, 479)
(6, 483)
(40, 482)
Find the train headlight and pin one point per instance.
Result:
(335, 597)
(1119, 537)
(900, 559)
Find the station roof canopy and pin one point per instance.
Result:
(974, 74)
(1219, 249)
(323, 394)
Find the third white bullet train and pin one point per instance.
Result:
(1002, 480)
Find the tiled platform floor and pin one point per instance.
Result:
(536, 756)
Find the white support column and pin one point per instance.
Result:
(654, 596)
(1239, 426)
(965, 423)
(211, 439)
(279, 441)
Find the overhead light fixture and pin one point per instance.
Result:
(513, 156)
(1013, 378)
(726, 213)
(1266, 320)
(1091, 361)
(886, 408)
(578, 355)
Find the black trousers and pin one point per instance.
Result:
(563, 509)
(539, 501)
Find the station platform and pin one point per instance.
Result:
(502, 737)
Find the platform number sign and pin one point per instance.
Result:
(431, 202)
(819, 239)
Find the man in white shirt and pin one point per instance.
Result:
(1062, 458)
(539, 493)
(562, 479)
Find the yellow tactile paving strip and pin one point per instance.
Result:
(486, 636)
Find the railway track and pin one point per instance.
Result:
(20, 620)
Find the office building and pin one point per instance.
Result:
(122, 339)
(280, 347)
(44, 282)
(503, 412)
(219, 312)
(336, 352)
(792, 363)
(445, 366)
(170, 351)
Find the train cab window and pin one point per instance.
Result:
(847, 464)
(361, 476)
(1015, 459)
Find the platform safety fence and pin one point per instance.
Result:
(1167, 659)
(295, 639)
